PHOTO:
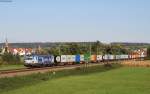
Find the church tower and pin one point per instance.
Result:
(6, 46)
(39, 49)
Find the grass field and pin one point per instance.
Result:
(9, 67)
(123, 80)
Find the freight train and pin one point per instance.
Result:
(51, 60)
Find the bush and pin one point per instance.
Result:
(9, 58)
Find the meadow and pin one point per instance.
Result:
(95, 80)
(11, 67)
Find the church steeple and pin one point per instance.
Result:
(6, 42)
(6, 45)
(39, 49)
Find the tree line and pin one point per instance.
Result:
(72, 48)
(84, 48)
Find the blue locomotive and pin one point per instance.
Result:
(39, 60)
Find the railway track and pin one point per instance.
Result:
(26, 71)
(33, 69)
(12, 70)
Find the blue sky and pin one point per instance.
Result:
(75, 20)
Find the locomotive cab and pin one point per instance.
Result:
(30, 61)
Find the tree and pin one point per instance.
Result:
(10, 58)
(148, 52)
(53, 51)
(74, 48)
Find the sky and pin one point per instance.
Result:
(75, 20)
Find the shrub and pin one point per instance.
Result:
(9, 58)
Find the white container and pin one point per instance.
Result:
(99, 57)
(127, 56)
(63, 58)
(118, 57)
(111, 57)
(121, 56)
(106, 57)
(73, 58)
(82, 58)
(58, 59)
(68, 58)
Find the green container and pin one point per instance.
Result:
(87, 57)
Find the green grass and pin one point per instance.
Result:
(7, 84)
(97, 80)
(9, 67)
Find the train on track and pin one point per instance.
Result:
(51, 60)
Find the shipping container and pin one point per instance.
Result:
(126, 56)
(93, 58)
(73, 58)
(77, 59)
(99, 58)
(106, 57)
(118, 57)
(57, 59)
(122, 56)
(82, 58)
(87, 57)
(111, 57)
(63, 58)
(69, 58)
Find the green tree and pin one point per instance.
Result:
(53, 50)
(148, 52)
(11, 59)
(74, 49)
